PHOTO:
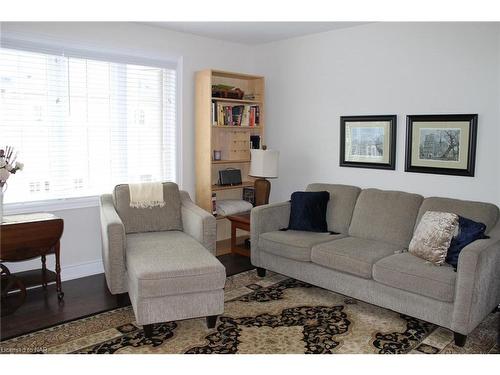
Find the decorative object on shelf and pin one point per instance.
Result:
(214, 204)
(368, 141)
(264, 165)
(8, 165)
(249, 194)
(217, 155)
(441, 144)
(230, 176)
(255, 142)
(226, 91)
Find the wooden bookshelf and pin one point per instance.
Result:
(232, 187)
(242, 101)
(232, 141)
(230, 161)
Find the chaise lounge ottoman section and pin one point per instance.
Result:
(167, 263)
(171, 274)
(164, 258)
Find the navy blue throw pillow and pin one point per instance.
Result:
(468, 232)
(308, 211)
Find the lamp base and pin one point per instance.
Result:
(262, 191)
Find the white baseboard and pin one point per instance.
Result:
(77, 271)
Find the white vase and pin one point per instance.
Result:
(1, 206)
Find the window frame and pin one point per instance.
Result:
(60, 204)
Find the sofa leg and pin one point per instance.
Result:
(261, 272)
(459, 339)
(211, 321)
(148, 330)
(122, 300)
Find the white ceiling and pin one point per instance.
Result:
(253, 32)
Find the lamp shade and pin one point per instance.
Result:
(264, 163)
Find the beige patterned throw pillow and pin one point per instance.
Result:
(433, 235)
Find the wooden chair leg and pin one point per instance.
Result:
(211, 321)
(148, 330)
(459, 339)
(261, 272)
(122, 300)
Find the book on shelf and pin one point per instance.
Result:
(214, 204)
(235, 115)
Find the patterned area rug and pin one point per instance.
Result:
(274, 314)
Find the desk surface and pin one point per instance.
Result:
(28, 218)
(241, 218)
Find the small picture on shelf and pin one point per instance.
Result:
(255, 142)
(249, 194)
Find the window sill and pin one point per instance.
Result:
(50, 205)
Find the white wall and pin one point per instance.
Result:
(81, 247)
(384, 68)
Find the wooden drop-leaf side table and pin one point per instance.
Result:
(28, 236)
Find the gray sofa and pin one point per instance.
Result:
(368, 260)
(163, 257)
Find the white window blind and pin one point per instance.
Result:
(82, 126)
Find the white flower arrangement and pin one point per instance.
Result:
(8, 164)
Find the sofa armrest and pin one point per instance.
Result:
(113, 246)
(198, 223)
(266, 218)
(477, 289)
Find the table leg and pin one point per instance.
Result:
(233, 237)
(60, 294)
(44, 271)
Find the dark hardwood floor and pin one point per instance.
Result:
(82, 297)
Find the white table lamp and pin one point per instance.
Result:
(264, 165)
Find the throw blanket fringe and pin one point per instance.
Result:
(146, 195)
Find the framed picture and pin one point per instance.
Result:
(441, 144)
(368, 141)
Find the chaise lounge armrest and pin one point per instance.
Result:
(263, 219)
(113, 245)
(198, 223)
(477, 290)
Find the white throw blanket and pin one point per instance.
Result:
(146, 195)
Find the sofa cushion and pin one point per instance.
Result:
(308, 211)
(486, 213)
(387, 216)
(352, 255)
(433, 235)
(408, 272)
(137, 220)
(169, 263)
(340, 206)
(468, 232)
(293, 244)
